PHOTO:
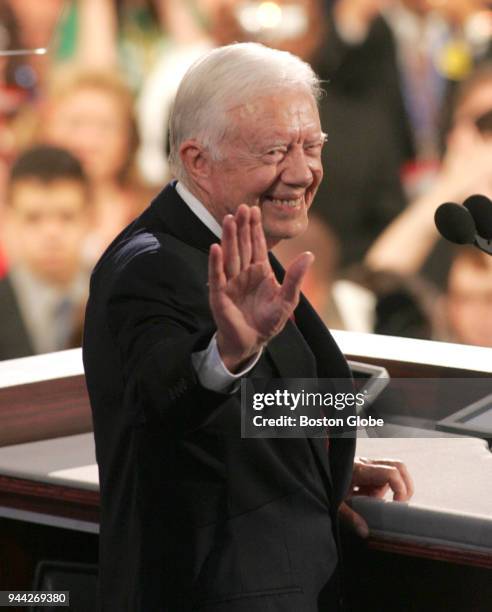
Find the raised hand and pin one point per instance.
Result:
(248, 304)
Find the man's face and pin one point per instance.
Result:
(50, 222)
(271, 158)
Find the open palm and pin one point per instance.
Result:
(248, 304)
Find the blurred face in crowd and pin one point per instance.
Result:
(318, 281)
(471, 132)
(49, 221)
(469, 302)
(475, 104)
(271, 158)
(93, 126)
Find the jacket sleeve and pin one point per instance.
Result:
(157, 319)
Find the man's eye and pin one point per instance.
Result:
(314, 146)
(275, 154)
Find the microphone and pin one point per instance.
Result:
(459, 224)
(455, 223)
(480, 208)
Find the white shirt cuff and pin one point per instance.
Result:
(213, 374)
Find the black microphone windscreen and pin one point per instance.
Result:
(480, 208)
(455, 223)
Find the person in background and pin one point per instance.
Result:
(468, 299)
(36, 27)
(358, 299)
(389, 67)
(369, 136)
(409, 245)
(43, 294)
(341, 304)
(432, 45)
(114, 35)
(186, 40)
(90, 113)
(11, 96)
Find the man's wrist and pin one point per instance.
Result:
(234, 360)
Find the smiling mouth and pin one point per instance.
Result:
(283, 204)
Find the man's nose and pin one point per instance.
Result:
(297, 170)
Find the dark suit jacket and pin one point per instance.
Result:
(14, 338)
(192, 516)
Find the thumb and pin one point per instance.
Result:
(294, 276)
(353, 520)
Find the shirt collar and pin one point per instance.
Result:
(199, 209)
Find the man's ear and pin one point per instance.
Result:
(196, 160)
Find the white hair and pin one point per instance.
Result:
(222, 79)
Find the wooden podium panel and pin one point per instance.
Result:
(43, 397)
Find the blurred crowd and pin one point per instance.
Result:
(86, 88)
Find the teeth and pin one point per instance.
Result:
(288, 203)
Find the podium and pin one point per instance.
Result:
(437, 548)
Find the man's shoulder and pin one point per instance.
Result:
(148, 239)
(144, 246)
(147, 260)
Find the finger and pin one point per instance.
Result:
(354, 520)
(375, 473)
(293, 277)
(404, 472)
(378, 474)
(402, 469)
(216, 276)
(378, 492)
(244, 236)
(260, 251)
(230, 250)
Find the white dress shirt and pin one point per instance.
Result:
(210, 369)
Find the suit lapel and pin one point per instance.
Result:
(331, 365)
(285, 362)
(291, 354)
(180, 221)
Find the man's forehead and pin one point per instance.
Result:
(280, 106)
(273, 118)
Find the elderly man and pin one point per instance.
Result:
(185, 302)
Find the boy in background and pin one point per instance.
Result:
(44, 292)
